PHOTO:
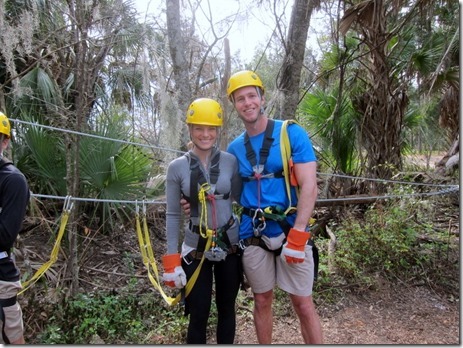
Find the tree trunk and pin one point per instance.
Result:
(290, 74)
(86, 69)
(178, 50)
(386, 103)
(383, 103)
(226, 105)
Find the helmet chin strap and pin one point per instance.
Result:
(2, 136)
(262, 110)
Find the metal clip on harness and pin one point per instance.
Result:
(260, 225)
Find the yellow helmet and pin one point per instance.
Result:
(205, 111)
(242, 79)
(5, 127)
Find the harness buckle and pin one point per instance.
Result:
(188, 260)
(212, 189)
(215, 254)
(242, 244)
(258, 169)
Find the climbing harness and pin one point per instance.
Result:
(54, 253)
(222, 241)
(220, 244)
(259, 215)
(215, 253)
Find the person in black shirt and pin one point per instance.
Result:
(14, 197)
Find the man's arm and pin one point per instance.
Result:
(294, 249)
(306, 174)
(185, 206)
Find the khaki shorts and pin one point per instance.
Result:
(263, 270)
(14, 327)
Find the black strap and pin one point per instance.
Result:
(316, 258)
(197, 179)
(278, 175)
(284, 224)
(198, 253)
(221, 232)
(257, 241)
(264, 150)
(6, 302)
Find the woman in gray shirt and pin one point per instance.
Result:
(208, 178)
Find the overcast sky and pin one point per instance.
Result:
(253, 27)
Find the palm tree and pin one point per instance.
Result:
(391, 36)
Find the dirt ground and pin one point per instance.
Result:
(387, 316)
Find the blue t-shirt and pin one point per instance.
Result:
(272, 190)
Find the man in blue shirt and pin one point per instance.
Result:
(276, 251)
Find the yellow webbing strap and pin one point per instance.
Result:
(285, 148)
(145, 244)
(54, 253)
(150, 262)
(202, 197)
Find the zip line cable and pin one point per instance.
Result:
(386, 180)
(446, 190)
(96, 136)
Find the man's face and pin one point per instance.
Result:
(248, 103)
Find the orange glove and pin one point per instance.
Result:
(294, 249)
(174, 275)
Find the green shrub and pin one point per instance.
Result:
(385, 241)
(115, 318)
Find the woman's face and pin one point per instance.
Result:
(204, 137)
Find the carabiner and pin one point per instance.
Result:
(256, 212)
(258, 228)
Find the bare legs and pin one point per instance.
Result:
(263, 317)
(305, 309)
(310, 322)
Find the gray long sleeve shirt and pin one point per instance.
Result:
(178, 183)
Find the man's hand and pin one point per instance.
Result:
(294, 249)
(185, 206)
